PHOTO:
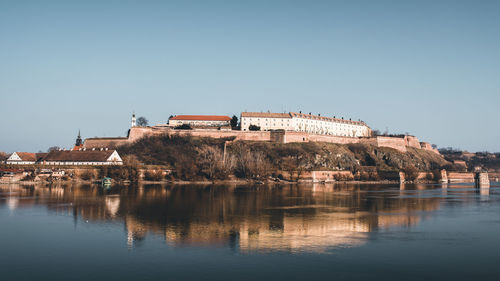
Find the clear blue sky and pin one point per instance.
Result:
(430, 68)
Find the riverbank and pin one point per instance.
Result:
(201, 182)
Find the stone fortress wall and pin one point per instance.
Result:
(136, 133)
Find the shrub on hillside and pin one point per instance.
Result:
(131, 160)
(87, 175)
(343, 177)
(436, 174)
(186, 169)
(120, 173)
(183, 127)
(411, 173)
(154, 175)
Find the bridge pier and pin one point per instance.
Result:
(482, 180)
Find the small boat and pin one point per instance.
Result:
(106, 182)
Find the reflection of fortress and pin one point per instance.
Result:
(283, 218)
(329, 220)
(297, 234)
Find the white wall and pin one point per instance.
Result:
(310, 125)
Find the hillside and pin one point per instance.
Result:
(193, 157)
(486, 160)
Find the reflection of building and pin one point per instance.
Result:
(310, 235)
(328, 217)
(113, 204)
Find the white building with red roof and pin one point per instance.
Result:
(200, 120)
(300, 122)
(24, 158)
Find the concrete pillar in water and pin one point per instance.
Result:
(444, 176)
(444, 179)
(482, 180)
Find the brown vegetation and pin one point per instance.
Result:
(120, 173)
(411, 173)
(154, 175)
(194, 158)
(88, 175)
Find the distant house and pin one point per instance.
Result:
(83, 157)
(10, 172)
(24, 158)
(200, 120)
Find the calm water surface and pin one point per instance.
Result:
(311, 232)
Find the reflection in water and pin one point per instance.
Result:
(310, 218)
(12, 203)
(485, 193)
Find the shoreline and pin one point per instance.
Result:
(207, 182)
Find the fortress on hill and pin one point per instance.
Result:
(265, 126)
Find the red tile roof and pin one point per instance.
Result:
(27, 156)
(202, 117)
(77, 147)
(78, 155)
(266, 115)
(300, 115)
(330, 119)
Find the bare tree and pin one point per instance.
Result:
(289, 165)
(210, 160)
(142, 121)
(411, 173)
(131, 160)
(53, 148)
(250, 164)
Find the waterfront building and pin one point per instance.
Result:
(24, 158)
(200, 120)
(300, 122)
(96, 157)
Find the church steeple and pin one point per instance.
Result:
(78, 142)
(134, 123)
(78, 139)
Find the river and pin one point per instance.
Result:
(254, 232)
